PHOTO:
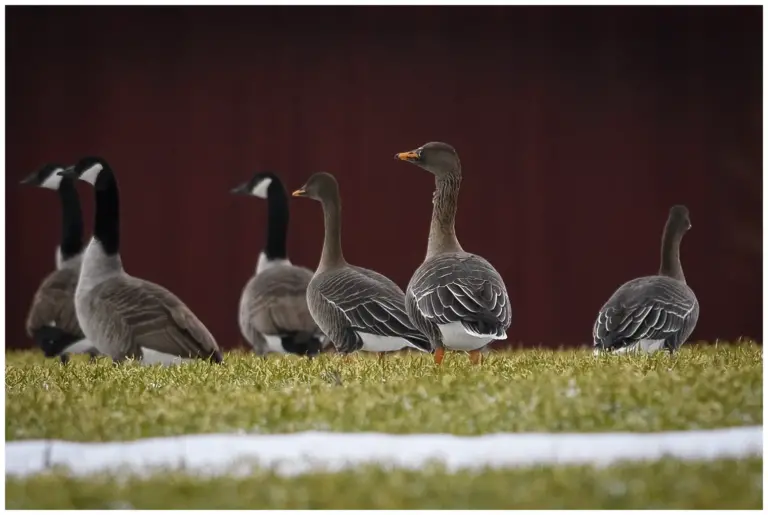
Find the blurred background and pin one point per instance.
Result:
(577, 128)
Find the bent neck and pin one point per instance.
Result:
(277, 221)
(332, 255)
(670, 253)
(442, 232)
(107, 225)
(71, 244)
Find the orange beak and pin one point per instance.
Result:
(299, 193)
(408, 156)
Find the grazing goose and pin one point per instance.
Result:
(273, 315)
(651, 313)
(357, 308)
(52, 321)
(456, 298)
(128, 317)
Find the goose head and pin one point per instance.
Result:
(436, 157)
(679, 219)
(321, 186)
(46, 177)
(90, 170)
(260, 185)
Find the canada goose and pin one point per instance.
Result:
(651, 313)
(52, 321)
(456, 298)
(273, 315)
(357, 308)
(128, 317)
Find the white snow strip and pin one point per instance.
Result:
(296, 453)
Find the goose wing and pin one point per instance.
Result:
(465, 289)
(54, 304)
(370, 304)
(276, 301)
(648, 308)
(144, 314)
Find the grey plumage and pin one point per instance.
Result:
(653, 312)
(351, 303)
(458, 287)
(647, 309)
(357, 308)
(456, 298)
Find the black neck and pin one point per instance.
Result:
(71, 220)
(277, 221)
(107, 227)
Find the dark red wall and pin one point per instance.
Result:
(577, 128)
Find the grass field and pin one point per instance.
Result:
(523, 391)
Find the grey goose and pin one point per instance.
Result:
(357, 308)
(51, 321)
(655, 312)
(128, 317)
(456, 298)
(273, 313)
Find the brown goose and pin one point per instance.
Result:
(52, 321)
(357, 308)
(128, 317)
(456, 298)
(651, 313)
(273, 314)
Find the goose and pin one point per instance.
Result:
(51, 321)
(273, 314)
(456, 298)
(128, 317)
(655, 312)
(357, 308)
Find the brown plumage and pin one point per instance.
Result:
(273, 314)
(53, 303)
(274, 303)
(124, 316)
(135, 313)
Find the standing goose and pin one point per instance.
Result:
(52, 321)
(128, 317)
(273, 315)
(357, 308)
(654, 312)
(456, 298)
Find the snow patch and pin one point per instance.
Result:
(297, 453)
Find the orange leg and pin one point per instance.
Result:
(381, 357)
(439, 354)
(476, 357)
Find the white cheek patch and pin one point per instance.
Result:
(52, 181)
(260, 190)
(91, 174)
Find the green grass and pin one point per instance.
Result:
(665, 484)
(700, 387)
(534, 390)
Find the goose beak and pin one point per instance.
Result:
(240, 190)
(411, 156)
(68, 172)
(299, 193)
(29, 179)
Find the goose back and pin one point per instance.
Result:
(274, 303)
(354, 306)
(125, 314)
(647, 313)
(459, 289)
